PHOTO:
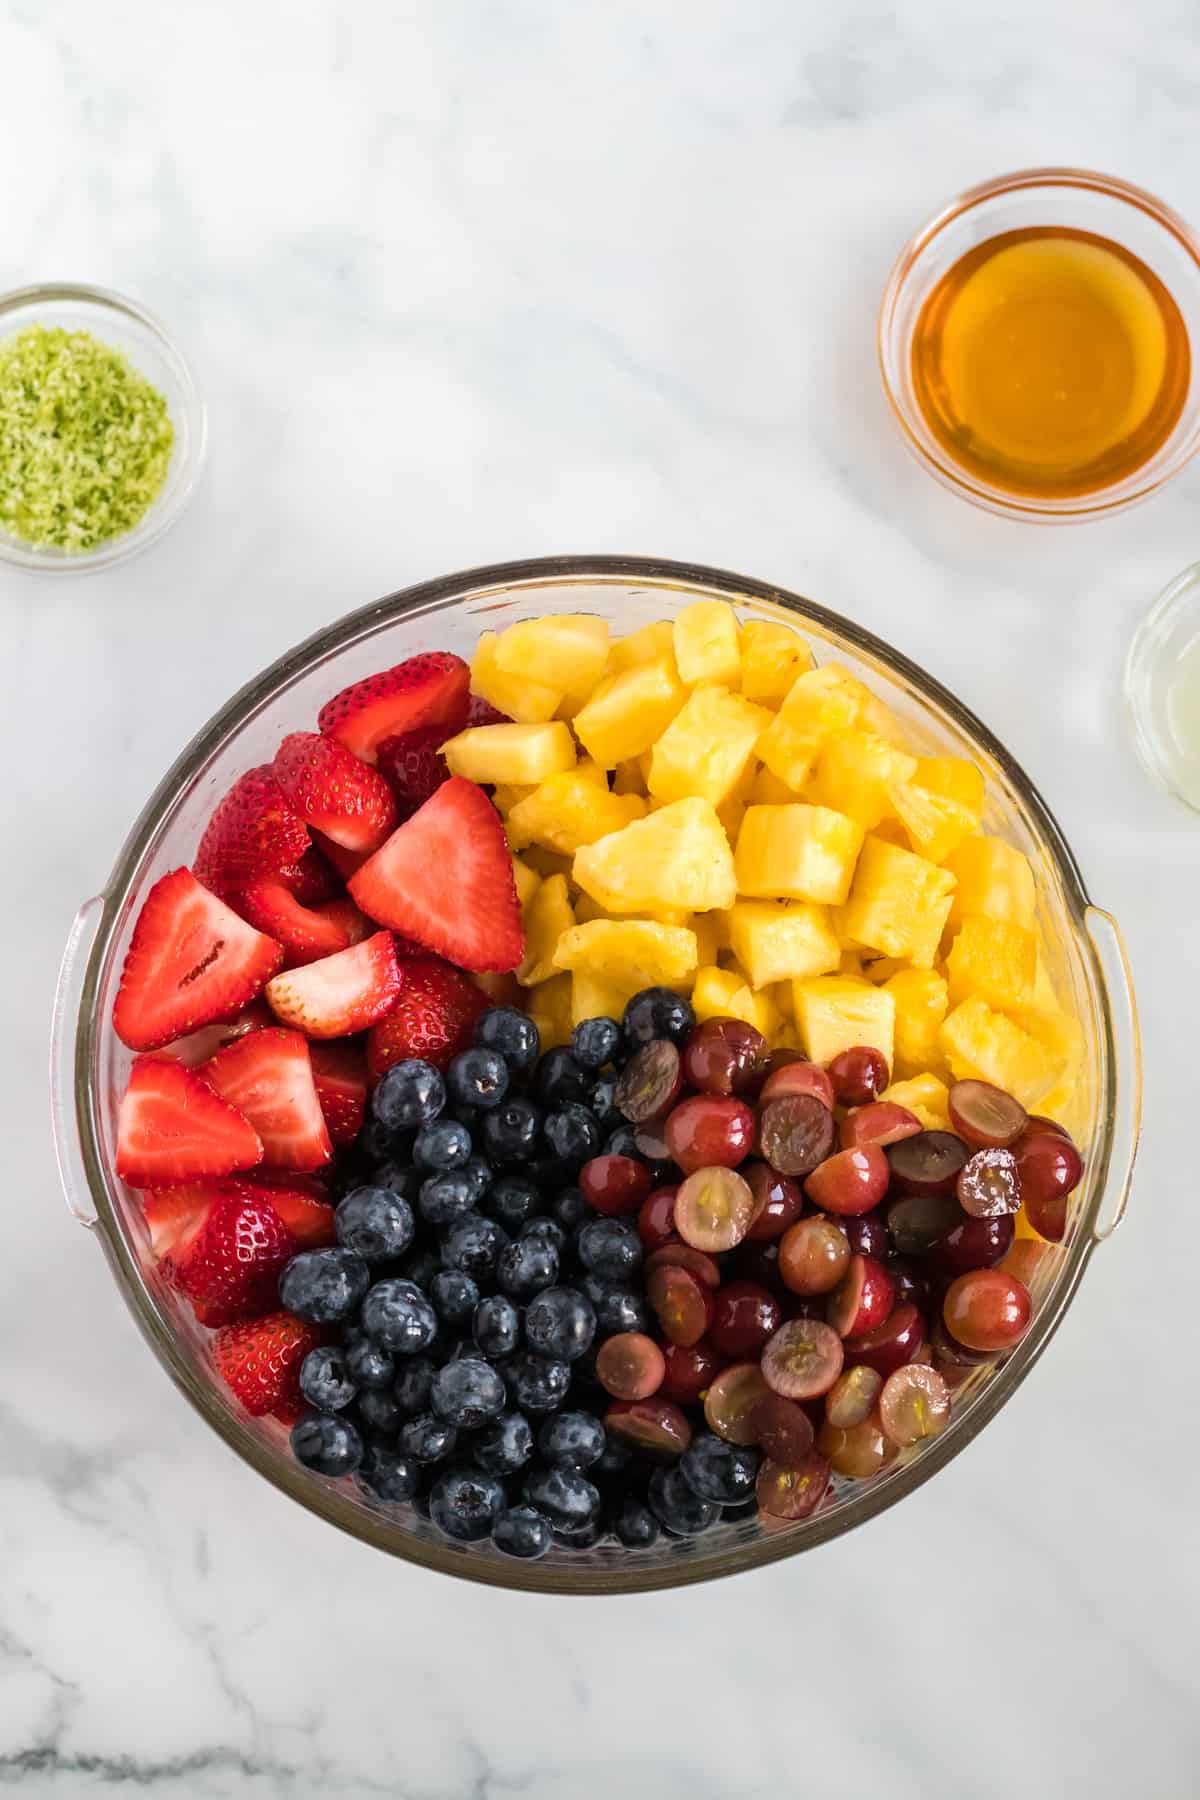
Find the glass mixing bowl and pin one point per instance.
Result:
(89, 1064)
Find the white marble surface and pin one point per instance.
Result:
(467, 281)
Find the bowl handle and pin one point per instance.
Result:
(63, 1031)
(1113, 961)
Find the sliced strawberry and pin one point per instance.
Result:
(306, 932)
(174, 1215)
(445, 877)
(261, 1359)
(433, 1018)
(252, 832)
(198, 1046)
(340, 994)
(230, 1269)
(345, 862)
(269, 1078)
(413, 766)
(172, 1127)
(191, 961)
(482, 712)
(309, 1219)
(426, 690)
(313, 879)
(335, 791)
(340, 1072)
(289, 1181)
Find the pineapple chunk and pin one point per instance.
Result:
(677, 856)
(629, 712)
(899, 903)
(527, 882)
(587, 909)
(986, 1045)
(850, 961)
(726, 994)
(594, 998)
(731, 812)
(550, 1010)
(546, 918)
(710, 938)
(566, 651)
(633, 953)
(773, 655)
(924, 1095)
(546, 863)
(527, 754)
(507, 794)
(1058, 1031)
(954, 778)
(934, 825)
(1044, 995)
(853, 772)
(836, 1012)
(797, 852)
(707, 746)
(651, 644)
(782, 940)
(993, 959)
(568, 811)
(706, 643)
(768, 790)
(921, 1005)
(629, 778)
(993, 879)
(528, 702)
(818, 702)
(874, 716)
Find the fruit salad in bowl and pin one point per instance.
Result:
(594, 1075)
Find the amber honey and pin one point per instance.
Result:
(1050, 362)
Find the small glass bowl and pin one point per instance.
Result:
(1028, 199)
(1163, 657)
(126, 326)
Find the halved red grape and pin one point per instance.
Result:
(927, 1163)
(793, 1491)
(795, 1133)
(744, 1317)
(710, 1131)
(911, 1281)
(916, 1222)
(879, 1122)
(951, 1359)
(650, 1083)
(914, 1404)
(850, 1181)
(973, 1244)
(852, 1397)
(725, 1056)
(803, 1359)
(785, 1431)
(797, 1077)
(614, 1184)
(1024, 1258)
(655, 1427)
(813, 1256)
(858, 1452)
(987, 1309)
(891, 1344)
(777, 1198)
(732, 1401)
(1050, 1169)
(714, 1209)
(1038, 1122)
(862, 1299)
(987, 1117)
(683, 1307)
(989, 1184)
(630, 1366)
(656, 1217)
(858, 1075)
(690, 1369)
(679, 1255)
(866, 1233)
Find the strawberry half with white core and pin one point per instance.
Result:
(191, 961)
(445, 878)
(340, 994)
(268, 1077)
(340, 1074)
(253, 832)
(172, 1127)
(431, 689)
(306, 932)
(260, 1360)
(200, 1045)
(335, 791)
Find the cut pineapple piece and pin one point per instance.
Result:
(993, 879)
(527, 754)
(783, 1000)
(1044, 995)
(773, 656)
(985, 1045)
(568, 811)
(711, 939)
(874, 716)
(836, 1012)
(898, 903)
(853, 772)
(587, 908)
(546, 863)
(651, 644)
(1059, 1033)
(850, 962)
(550, 1010)
(818, 702)
(566, 651)
(769, 790)
(677, 856)
(707, 746)
(935, 826)
(925, 1096)
(630, 952)
(629, 712)
(528, 702)
(507, 794)
(994, 959)
(954, 778)
(706, 643)
(527, 881)
(629, 778)
(797, 852)
(594, 998)
(546, 918)
(921, 1002)
(780, 940)
(731, 812)
(726, 994)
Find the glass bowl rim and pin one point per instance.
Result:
(323, 1500)
(1183, 591)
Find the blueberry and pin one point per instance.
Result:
(549, 1230)
(658, 1012)
(478, 1171)
(511, 1132)
(572, 1133)
(560, 1323)
(614, 1459)
(398, 1315)
(388, 1475)
(401, 1177)
(376, 1144)
(617, 1308)
(445, 1198)
(455, 1297)
(579, 1537)
(745, 1509)
(572, 1440)
(538, 1384)
(497, 1326)
(473, 1245)
(521, 1531)
(526, 1267)
(409, 1094)
(414, 1384)
(468, 1393)
(327, 1443)
(323, 1286)
(477, 1078)
(506, 1445)
(717, 1471)
(567, 1498)
(560, 1078)
(380, 1411)
(374, 1222)
(550, 1173)
(513, 1200)
(325, 1380)
(601, 1100)
(463, 1503)
(443, 1145)
(622, 1142)
(512, 1033)
(676, 1506)
(635, 1525)
(368, 1364)
(420, 1266)
(571, 1209)
(611, 1249)
(427, 1439)
(595, 1042)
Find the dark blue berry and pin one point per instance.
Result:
(622, 1142)
(560, 1078)
(512, 1131)
(595, 1042)
(657, 1012)
(572, 1440)
(550, 1173)
(497, 1326)
(388, 1475)
(398, 1315)
(635, 1525)
(468, 1393)
(676, 1506)
(521, 1531)
(567, 1498)
(376, 1144)
(477, 1078)
(526, 1267)
(746, 1509)
(538, 1384)
(414, 1384)
(445, 1198)
(614, 1459)
(579, 1537)
(478, 1171)
(380, 1411)
(560, 1323)
(571, 1209)
(323, 1286)
(443, 1145)
(409, 1094)
(512, 1033)
(420, 1266)
(549, 1230)
(473, 1245)
(506, 1445)
(717, 1471)
(617, 1308)
(513, 1200)
(427, 1439)
(368, 1364)
(572, 1133)
(611, 1249)
(374, 1222)
(327, 1443)
(464, 1503)
(601, 1100)
(455, 1297)
(401, 1177)
(325, 1379)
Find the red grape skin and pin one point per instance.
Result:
(858, 1075)
(780, 1201)
(744, 1317)
(656, 1217)
(973, 1244)
(1050, 1169)
(630, 1366)
(656, 1426)
(683, 1307)
(726, 1056)
(798, 1077)
(879, 1122)
(891, 1344)
(783, 1429)
(614, 1184)
(813, 1256)
(690, 1371)
(710, 1131)
(682, 1256)
(987, 1309)
(850, 1181)
(862, 1300)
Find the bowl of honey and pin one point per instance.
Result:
(1040, 344)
